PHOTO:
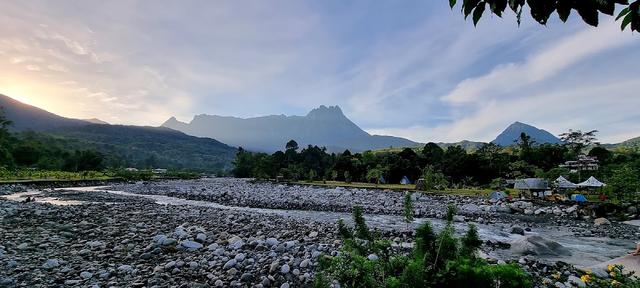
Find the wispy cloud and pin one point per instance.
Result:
(413, 69)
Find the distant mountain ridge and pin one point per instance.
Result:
(27, 117)
(323, 126)
(511, 135)
(125, 146)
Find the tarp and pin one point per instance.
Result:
(563, 183)
(531, 184)
(578, 198)
(592, 182)
(497, 195)
(405, 180)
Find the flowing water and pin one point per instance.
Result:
(585, 251)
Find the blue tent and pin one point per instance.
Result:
(578, 198)
(405, 180)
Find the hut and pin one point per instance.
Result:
(534, 187)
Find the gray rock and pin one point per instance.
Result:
(86, 275)
(305, 263)
(517, 230)
(219, 283)
(536, 245)
(601, 221)
(169, 242)
(190, 245)
(51, 263)
(246, 277)
(125, 269)
(285, 269)
(577, 281)
(271, 242)
(201, 237)
(239, 257)
(230, 264)
(372, 257)
(284, 285)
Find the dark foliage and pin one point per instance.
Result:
(541, 10)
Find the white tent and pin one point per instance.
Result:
(592, 182)
(563, 183)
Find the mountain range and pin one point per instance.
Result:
(128, 146)
(323, 126)
(180, 145)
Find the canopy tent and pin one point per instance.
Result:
(405, 180)
(578, 198)
(592, 182)
(563, 183)
(497, 195)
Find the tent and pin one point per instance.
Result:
(578, 198)
(563, 183)
(497, 195)
(405, 180)
(382, 180)
(592, 182)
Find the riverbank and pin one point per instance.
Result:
(117, 237)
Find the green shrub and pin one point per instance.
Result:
(437, 260)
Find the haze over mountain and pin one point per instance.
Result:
(323, 126)
(27, 117)
(124, 146)
(511, 135)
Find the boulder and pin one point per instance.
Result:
(517, 230)
(537, 245)
(601, 221)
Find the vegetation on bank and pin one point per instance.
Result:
(437, 260)
(33, 155)
(450, 168)
(17, 175)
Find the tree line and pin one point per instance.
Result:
(25, 150)
(453, 167)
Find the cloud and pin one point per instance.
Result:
(511, 77)
(389, 65)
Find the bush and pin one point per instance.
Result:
(437, 260)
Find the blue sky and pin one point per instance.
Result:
(415, 69)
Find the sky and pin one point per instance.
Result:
(414, 69)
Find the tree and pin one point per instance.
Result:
(408, 207)
(434, 180)
(576, 140)
(292, 145)
(433, 154)
(374, 173)
(623, 182)
(5, 154)
(541, 10)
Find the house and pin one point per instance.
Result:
(534, 187)
(583, 163)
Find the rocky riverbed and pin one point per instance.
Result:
(231, 232)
